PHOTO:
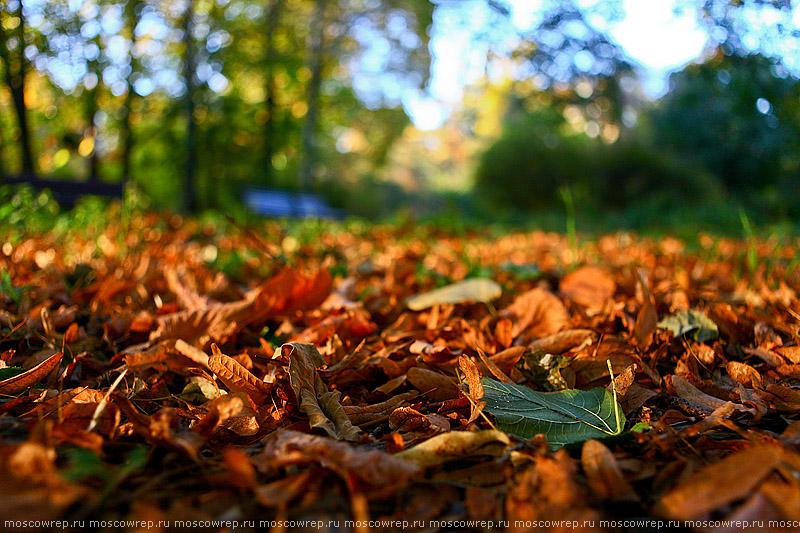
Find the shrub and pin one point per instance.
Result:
(526, 166)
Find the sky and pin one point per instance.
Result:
(650, 33)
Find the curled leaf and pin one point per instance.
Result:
(27, 379)
(323, 408)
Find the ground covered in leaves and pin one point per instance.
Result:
(169, 370)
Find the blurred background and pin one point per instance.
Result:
(622, 112)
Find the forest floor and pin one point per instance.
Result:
(170, 373)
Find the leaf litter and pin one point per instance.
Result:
(141, 380)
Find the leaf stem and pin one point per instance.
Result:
(614, 393)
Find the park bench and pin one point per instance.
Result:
(282, 203)
(67, 193)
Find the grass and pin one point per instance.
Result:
(26, 212)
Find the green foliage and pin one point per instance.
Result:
(7, 287)
(563, 417)
(631, 172)
(526, 166)
(23, 208)
(736, 118)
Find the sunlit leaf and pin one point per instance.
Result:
(470, 290)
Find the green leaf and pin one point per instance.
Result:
(693, 323)
(563, 417)
(470, 290)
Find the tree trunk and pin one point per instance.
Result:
(189, 193)
(309, 130)
(273, 18)
(131, 19)
(15, 79)
(91, 111)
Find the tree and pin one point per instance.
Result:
(732, 116)
(189, 191)
(315, 51)
(132, 11)
(12, 52)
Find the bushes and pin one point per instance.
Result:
(531, 160)
(628, 172)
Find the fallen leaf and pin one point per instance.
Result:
(693, 323)
(456, 445)
(563, 341)
(537, 313)
(235, 411)
(433, 384)
(645, 326)
(543, 370)
(377, 468)
(604, 474)
(322, 406)
(470, 290)
(588, 286)
(473, 375)
(717, 485)
(236, 377)
(743, 373)
(563, 417)
(695, 396)
(27, 379)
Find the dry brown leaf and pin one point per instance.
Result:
(563, 341)
(241, 473)
(236, 377)
(549, 492)
(433, 384)
(199, 327)
(504, 332)
(473, 375)
(604, 474)
(488, 366)
(367, 414)
(695, 396)
(233, 411)
(635, 397)
(722, 483)
(187, 297)
(792, 353)
(323, 407)
(537, 313)
(405, 419)
(645, 326)
(456, 445)
(743, 373)
(187, 350)
(374, 467)
(588, 286)
(30, 377)
(502, 362)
